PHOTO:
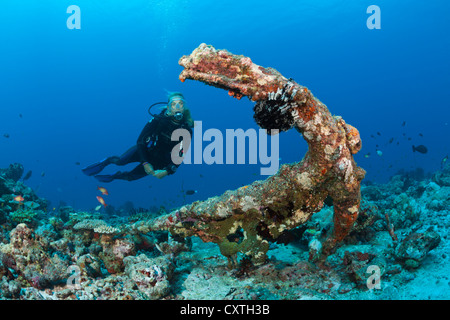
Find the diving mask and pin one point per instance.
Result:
(176, 108)
(176, 104)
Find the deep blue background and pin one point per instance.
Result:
(83, 94)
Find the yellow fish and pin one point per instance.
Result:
(100, 199)
(103, 191)
(19, 198)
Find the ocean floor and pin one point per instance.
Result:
(398, 249)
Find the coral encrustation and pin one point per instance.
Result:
(245, 220)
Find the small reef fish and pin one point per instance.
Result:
(98, 207)
(443, 161)
(391, 139)
(379, 152)
(102, 201)
(404, 123)
(191, 192)
(6, 135)
(28, 175)
(77, 163)
(19, 198)
(103, 191)
(421, 148)
(367, 155)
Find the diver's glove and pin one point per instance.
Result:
(148, 168)
(160, 174)
(171, 169)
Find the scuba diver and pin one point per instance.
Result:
(154, 145)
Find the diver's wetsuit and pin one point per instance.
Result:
(154, 146)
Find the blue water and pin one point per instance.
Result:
(69, 96)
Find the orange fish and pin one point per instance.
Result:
(103, 191)
(19, 198)
(100, 199)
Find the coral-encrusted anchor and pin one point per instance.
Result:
(266, 209)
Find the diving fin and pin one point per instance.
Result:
(105, 177)
(96, 167)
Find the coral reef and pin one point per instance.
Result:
(415, 247)
(245, 220)
(29, 259)
(81, 255)
(399, 237)
(23, 215)
(151, 276)
(25, 211)
(442, 177)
